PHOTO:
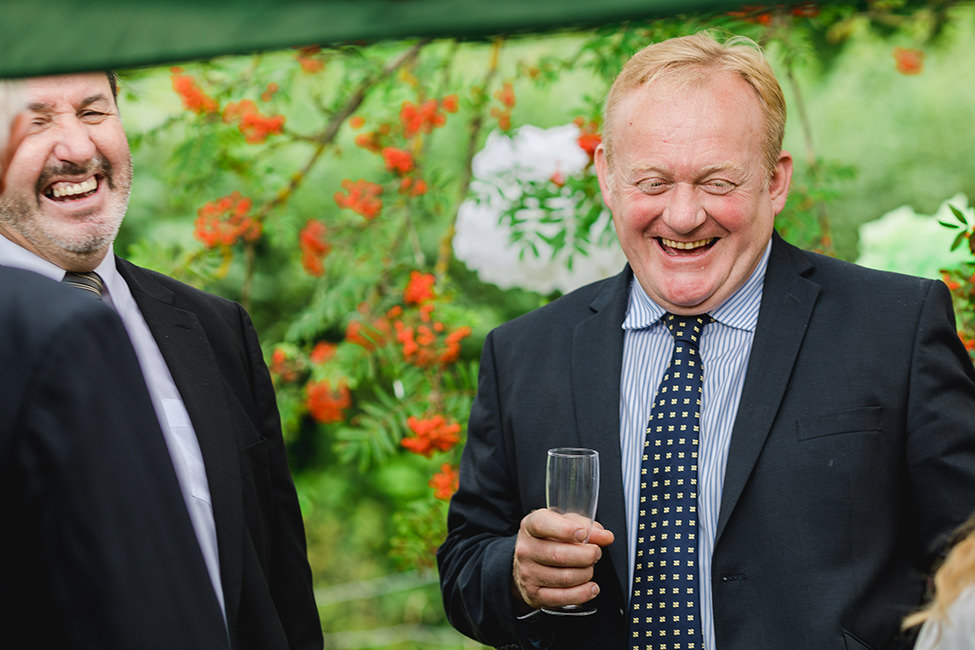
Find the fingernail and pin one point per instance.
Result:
(595, 590)
(580, 535)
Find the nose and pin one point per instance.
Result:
(74, 142)
(685, 209)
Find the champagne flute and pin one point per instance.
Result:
(572, 489)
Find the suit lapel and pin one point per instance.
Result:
(597, 353)
(787, 302)
(189, 356)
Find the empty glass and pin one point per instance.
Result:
(572, 489)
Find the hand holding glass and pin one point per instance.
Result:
(572, 489)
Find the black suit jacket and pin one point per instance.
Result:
(97, 549)
(213, 353)
(853, 451)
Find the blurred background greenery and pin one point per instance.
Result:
(881, 100)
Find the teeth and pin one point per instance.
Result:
(61, 190)
(686, 246)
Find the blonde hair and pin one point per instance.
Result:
(955, 574)
(692, 59)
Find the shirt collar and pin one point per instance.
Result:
(739, 311)
(16, 256)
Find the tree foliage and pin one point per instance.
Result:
(320, 186)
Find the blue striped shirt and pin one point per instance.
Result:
(724, 348)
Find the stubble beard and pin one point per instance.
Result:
(91, 234)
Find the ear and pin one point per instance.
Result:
(9, 141)
(603, 173)
(778, 185)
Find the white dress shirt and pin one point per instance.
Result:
(725, 348)
(184, 448)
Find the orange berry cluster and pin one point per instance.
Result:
(307, 59)
(372, 140)
(419, 288)
(953, 285)
(414, 120)
(325, 403)
(282, 367)
(400, 162)
(908, 61)
(225, 221)
(397, 161)
(363, 197)
(424, 342)
(445, 482)
(194, 99)
(427, 116)
(589, 137)
(414, 188)
(764, 14)
(323, 352)
(431, 434)
(268, 95)
(368, 337)
(314, 247)
(506, 97)
(427, 344)
(255, 126)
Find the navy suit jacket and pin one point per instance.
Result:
(212, 351)
(852, 453)
(97, 550)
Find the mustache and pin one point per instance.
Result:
(97, 165)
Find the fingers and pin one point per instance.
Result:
(551, 568)
(552, 598)
(600, 536)
(550, 582)
(549, 525)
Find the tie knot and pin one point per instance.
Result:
(89, 281)
(687, 328)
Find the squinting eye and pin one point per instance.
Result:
(719, 186)
(652, 186)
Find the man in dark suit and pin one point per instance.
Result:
(65, 195)
(831, 445)
(98, 551)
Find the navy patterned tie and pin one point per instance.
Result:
(665, 607)
(89, 281)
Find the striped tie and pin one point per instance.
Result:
(665, 607)
(89, 281)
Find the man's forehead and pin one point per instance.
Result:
(73, 89)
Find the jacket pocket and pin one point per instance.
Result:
(855, 420)
(853, 642)
(255, 457)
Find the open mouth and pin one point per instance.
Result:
(62, 191)
(674, 247)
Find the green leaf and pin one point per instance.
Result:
(958, 240)
(958, 215)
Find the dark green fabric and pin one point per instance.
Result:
(48, 36)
